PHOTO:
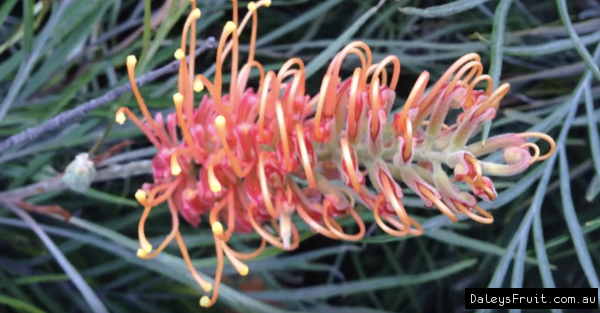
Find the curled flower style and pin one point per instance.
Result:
(249, 157)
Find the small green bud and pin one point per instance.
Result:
(80, 173)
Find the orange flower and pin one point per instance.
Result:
(253, 157)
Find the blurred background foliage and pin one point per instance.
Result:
(57, 54)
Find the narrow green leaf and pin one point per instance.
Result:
(447, 9)
(27, 25)
(573, 223)
(86, 291)
(455, 239)
(298, 22)
(592, 128)
(496, 52)
(579, 46)
(5, 10)
(108, 198)
(19, 305)
(49, 278)
(340, 42)
(348, 288)
(552, 47)
(593, 188)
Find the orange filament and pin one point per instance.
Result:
(331, 223)
(490, 86)
(249, 255)
(408, 142)
(276, 242)
(544, 137)
(170, 237)
(205, 301)
(168, 187)
(381, 224)
(213, 182)
(437, 202)
(486, 217)
(230, 27)
(414, 97)
(233, 160)
(314, 224)
(283, 134)
(310, 176)
(217, 227)
(390, 195)
(120, 118)
(493, 100)
(198, 85)
(352, 116)
(336, 64)
(131, 62)
(349, 162)
(193, 44)
(178, 100)
(380, 69)
(206, 286)
(322, 95)
(444, 126)
(145, 245)
(184, 85)
(191, 20)
(475, 165)
(536, 151)
(473, 66)
(252, 7)
(375, 105)
(434, 92)
(270, 81)
(237, 264)
(488, 191)
(245, 73)
(305, 216)
(417, 231)
(263, 185)
(175, 167)
(336, 228)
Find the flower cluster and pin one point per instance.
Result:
(244, 151)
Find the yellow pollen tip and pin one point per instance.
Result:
(217, 228)
(243, 269)
(140, 253)
(268, 3)
(140, 195)
(198, 86)
(214, 186)
(230, 27)
(204, 301)
(220, 121)
(175, 168)
(120, 117)
(146, 248)
(196, 13)
(131, 60)
(251, 6)
(177, 98)
(179, 54)
(207, 287)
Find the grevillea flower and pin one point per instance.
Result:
(243, 151)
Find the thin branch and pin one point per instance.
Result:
(55, 183)
(33, 133)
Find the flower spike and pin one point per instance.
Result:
(252, 157)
